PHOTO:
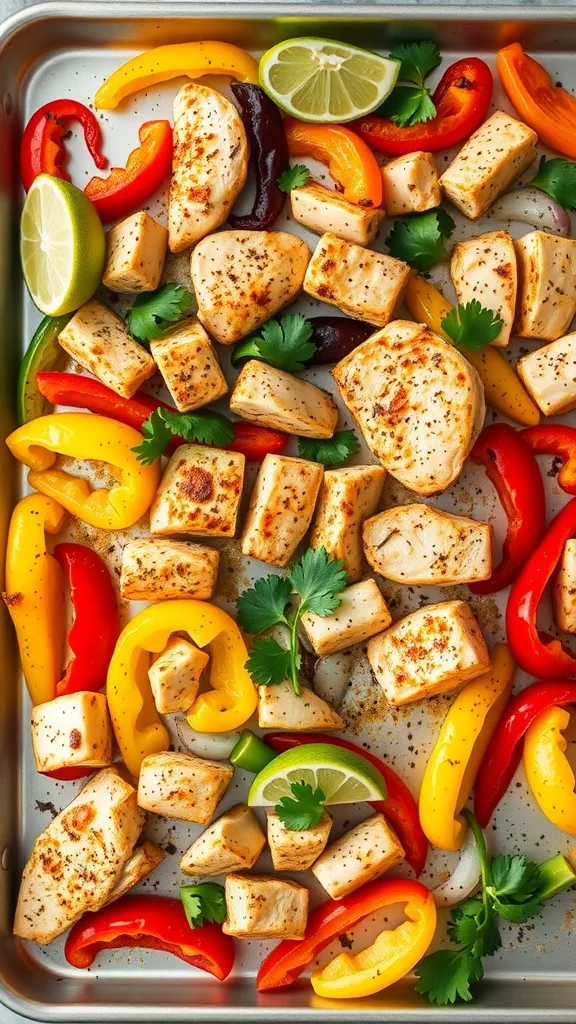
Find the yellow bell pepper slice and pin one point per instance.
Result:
(453, 766)
(548, 770)
(232, 700)
(83, 435)
(503, 388)
(34, 593)
(176, 60)
(393, 955)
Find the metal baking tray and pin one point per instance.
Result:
(59, 49)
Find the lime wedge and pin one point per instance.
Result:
(62, 246)
(43, 353)
(323, 80)
(343, 776)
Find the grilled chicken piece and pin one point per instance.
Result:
(546, 285)
(323, 209)
(135, 254)
(564, 590)
(260, 907)
(182, 785)
(364, 853)
(292, 850)
(73, 730)
(209, 165)
(498, 152)
(410, 184)
(281, 508)
(189, 365)
(418, 402)
(280, 708)
(175, 676)
(274, 398)
(549, 374)
(78, 859)
(347, 497)
(362, 613)
(425, 546)
(142, 862)
(242, 278)
(154, 569)
(233, 842)
(484, 268)
(199, 492)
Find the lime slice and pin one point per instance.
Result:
(62, 246)
(323, 80)
(343, 776)
(43, 353)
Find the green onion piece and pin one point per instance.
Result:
(557, 874)
(251, 753)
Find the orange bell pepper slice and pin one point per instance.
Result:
(549, 110)
(350, 162)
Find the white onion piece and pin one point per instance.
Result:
(216, 745)
(531, 206)
(465, 877)
(331, 677)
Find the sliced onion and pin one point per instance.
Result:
(465, 877)
(331, 677)
(217, 746)
(531, 206)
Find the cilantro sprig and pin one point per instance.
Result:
(412, 104)
(283, 343)
(303, 809)
(293, 177)
(317, 579)
(557, 178)
(203, 902)
(331, 451)
(419, 240)
(151, 312)
(472, 326)
(194, 427)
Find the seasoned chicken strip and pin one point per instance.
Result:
(418, 402)
(484, 268)
(295, 850)
(281, 508)
(362, 613)
(364, 853)
(347, 497)
(324, 209)
(232, 842)
(564, 590)
(209, 165)
(549, 374)
(279, 707)
(546, 285)
(410, 184)
(142, 862)
(261, 907)
(277, 399)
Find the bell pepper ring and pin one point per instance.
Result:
(453, 765)
(548, 771)
(350, 162)
(149, 922)
(549, 110)
(84, 436)
(176, 60)
(231, 701)
(504, 750)
(462, 98)
(126, 189)
(268, 152)
(559, 440)
(42, 150)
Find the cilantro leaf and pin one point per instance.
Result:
(472, 326)
(203, 902)
(152, 311)
(472, 927)
(262, 606)
(446, 975)
(293, 177)
(303, 809)
(557, 178)
(419, 239)
(318, 579)
(269, 664)
(157, 436)
(194, 427)
(516, 913)
(331, 451)
(515, 875)
(417, 60)
(408, 105)
(285, 343)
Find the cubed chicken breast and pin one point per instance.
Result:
(347, 497)
(189, 365)
(424, 546)
(275, 398)
(364, 853)
(143, 861)
(182, 785)
(279, 707)
(233, 842)
(546, 285)
(73, 730)
(434, 650)
(292, 850)
(362, 613)
(564, 590)
(260, 907)
(209, 164)
(97, 339)
(242, 278)
(499, 151)
(418, 402)
(199, 493)
(281, 508)
(135, 254)
(175, 676)
(324, 209)
(154, 570)
(78, 859)
(410, 184)
(549, 375)
(365, 284)
(484, 268)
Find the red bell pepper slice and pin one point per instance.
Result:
(504, 750)
(68, 774)
(537, 653)
(461, 98)
(255, 442)
(399, 806)
(41, 148)
(96, 625)
(150, 922)
(559, 440)
(127, 188)
(325, 923)
(513, 470)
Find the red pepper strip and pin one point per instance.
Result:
(255, 442)
(399, 806)
(504, 750)
(127, 188)
(537, 653)
(150, 922)
(559, 440)
(41, 148)
(461, 98)
(325, 923)
(68, 774)
(96, 625)
(513, 470)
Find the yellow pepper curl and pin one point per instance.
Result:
(548, 771)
